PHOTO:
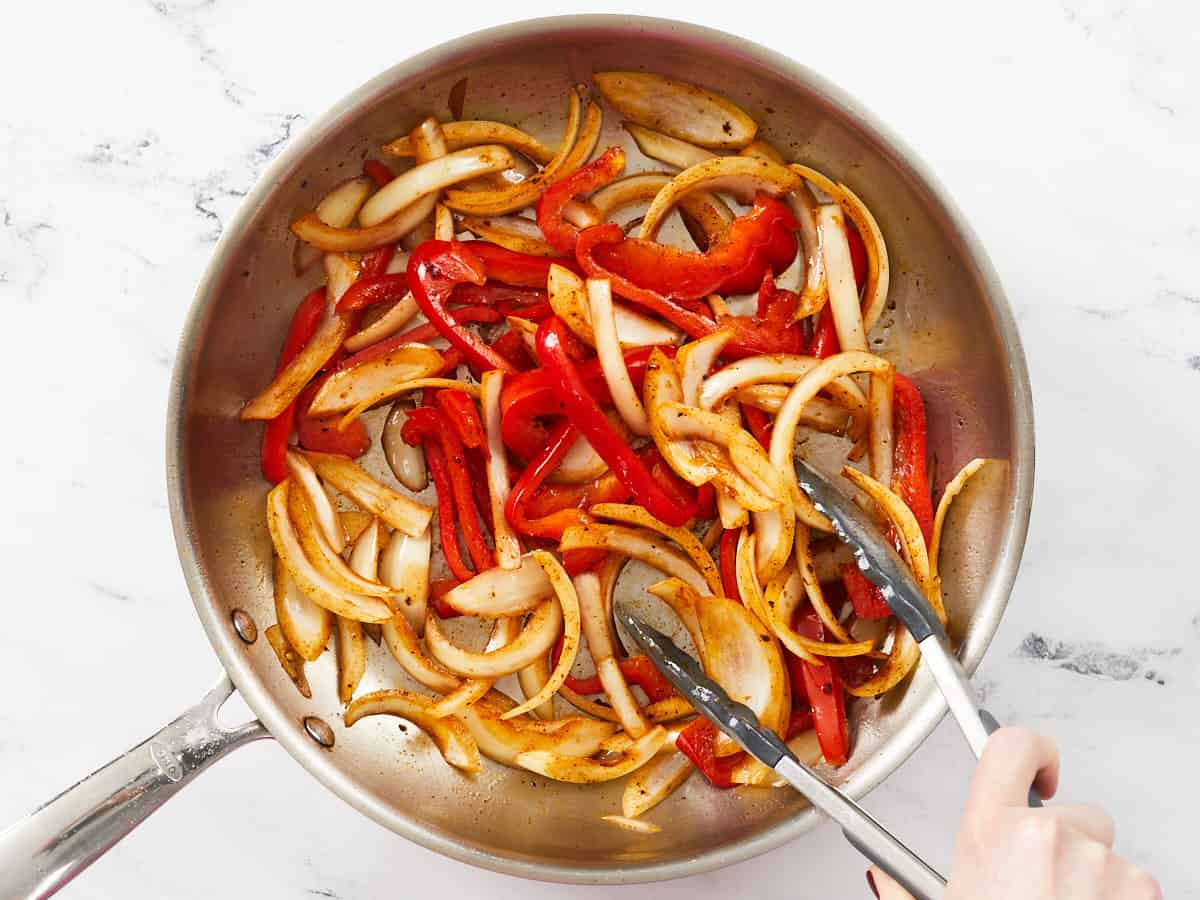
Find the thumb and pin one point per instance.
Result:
(884, 887)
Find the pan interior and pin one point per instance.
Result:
(946, 326)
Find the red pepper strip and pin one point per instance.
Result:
(560, 233)
(552, 498)
(758, 422)
(865, 596)
(551, 525)
(511, 346)
(535, 312)
(576, 562)
(500, 295)
(584, 413)
(435, 461)
(378, 172)
(376, 262)
(459, 409)
(698, 742)
(858, 255)
(727, 555)
(480, 492)
(434, 268)
(773, 331)
(636, 669)
(909, 478)
(824, 339)
(373, 289)
(825, 694)
(801, 718)
(517, 269)
(760, 240)
(323, 434)
(438, 589)
(450, 361)
(706, 502)
(675, 487)
(429, 421)
(305, 322)
(529, 397)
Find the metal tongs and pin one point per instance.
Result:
(883, 566)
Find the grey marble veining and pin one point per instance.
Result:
(1068, 132)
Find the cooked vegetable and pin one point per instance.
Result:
(677, 108)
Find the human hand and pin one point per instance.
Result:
(1007, 851)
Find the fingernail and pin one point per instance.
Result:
(871, 884)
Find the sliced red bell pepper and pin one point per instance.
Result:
(698, 742)
(761, 240)
(451, 359)
(518, 269)
(305, 322)
(758, 422)
(323, 434)
(435, 461)
(459, 410)
(378, 172)
(706, 501)
(552, 498)
(512, 347)
(576, 562)
(438, 589)
(826, 695)
(502, 296)
(534, 312)
(727, 555)
(559, 233)
(824, 340)
(858, 256)
(582, 410)
(376, 262)
(909, 478)
(434, 268)
(865, 596)
(637, 670)
(372, 289)
(553, 524)
(477, 470)
(529, 398)
(429, 422)
(421, 334)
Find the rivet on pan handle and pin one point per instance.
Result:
(57, 841)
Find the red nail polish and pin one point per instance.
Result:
(871, 884)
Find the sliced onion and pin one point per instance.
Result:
(323, 557)
(707, 212)
(503, 740)
(405, 647)
(472, 133)
(638, 543)
(575, 770)
(535, 640)
(878, 269)
(404, 567)
(664, 148)
(630, 514)
(406, 461)
(680, 109)
(568, 602)
(597, 630)
(426, 178)
(355, 522)
(452, 738)
(508, 546)
(810, 578)
(532, 679)
(289, 660)
(443, 223)
(612, 362)
(653, 783)
(777, 368)
(569, 300)
(375, 380)
(804, 746)
(306, 626)
(398, 388)
(504, 632)
(352, 480)
(744, 658)
(494, 593)
(725, 173)
(308, 578)
(783, 597)
(783, 437)
(662, 386)
(338, 208)
(512, 232)
(518, 196)
(814, 292)
(775, 533)
(956, 484)
(581, 462)
(762, 150)
(635, 825)
(312, 230)
(880, 435)
(730, 513)
(684, 602)
(695, 359)
(318, 500)
(843, 290)
(746, 575)
(401, 313)
(818, 413)
(289, 382)
(351, 656)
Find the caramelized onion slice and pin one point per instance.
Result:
(744, 658)
(612, 362)
(810, 577)
(289, 660)
(682, 110)
(654, 782)
(630, 514)
(375, 380)
(536, 639)
(952, 490)
(667, 149)
(401, 313)
(352, 480)
(405, 647)
(508, 546)
(323, 557)
(306, 625)
(503, 740)
(404, 567)
(425, 178)
(783, 597)
(318, 500)
(514, 233)
(406, 461)
(639, 543)
(472, 133)
(494, 593)
(452, 738)
(575, 770)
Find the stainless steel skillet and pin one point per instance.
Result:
(950, 328)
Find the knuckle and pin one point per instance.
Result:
(1144, 886)
(1040, 833)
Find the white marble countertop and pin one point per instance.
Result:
(1068, 133)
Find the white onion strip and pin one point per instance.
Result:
(612, 362)
(639, 543)
(426, 178)
(499, 592)
(843, 291)
(679, 108)
(374, 380)
(589, 771)
(508, 546)
(956, 484)
(597, 631)
(472, 133)
(305, 624)
(452, 738)
(404, 567)
(810, 578)
(401, 313)
(653, 783)
(405, 647)
(535, 639)
(397, 510)
(318, 500)
(406, 461)
(630, 514)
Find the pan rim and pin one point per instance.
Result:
(919, 726)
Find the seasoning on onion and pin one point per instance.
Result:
(508, 546)
(289, 660)
(682, 110)
(305, 624)
(352, 480)
(404, 567)
(406, 461)
(450, 736)
(472, 133)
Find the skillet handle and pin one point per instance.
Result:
(57, 841)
